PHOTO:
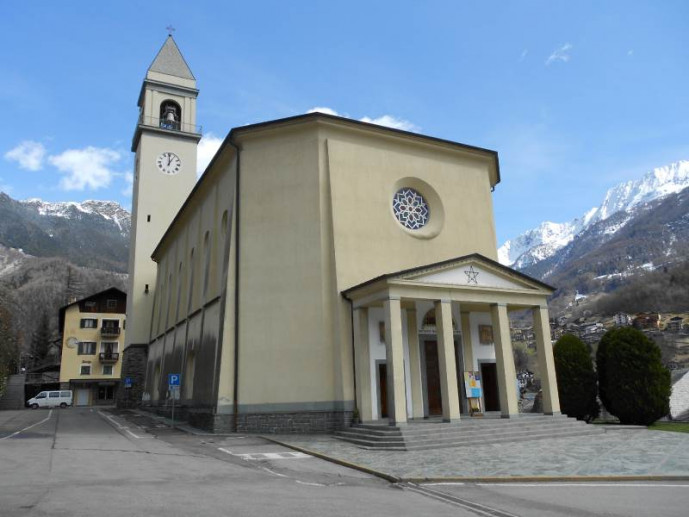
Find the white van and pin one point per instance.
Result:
(51, 399)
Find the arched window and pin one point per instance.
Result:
(170, 115)
(192, 271)
(206, 263)
(429, 321)
(188, 378)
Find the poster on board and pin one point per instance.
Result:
(472, 384)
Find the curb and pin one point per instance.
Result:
(337, 461)
(479, 479)
(544, 479)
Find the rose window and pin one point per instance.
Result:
(411, 209)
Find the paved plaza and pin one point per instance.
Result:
(619, 452)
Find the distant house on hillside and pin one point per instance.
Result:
(675, 324)
(646, 320)
(622, 319)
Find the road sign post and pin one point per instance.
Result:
(173, 381)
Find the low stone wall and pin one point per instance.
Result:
(300, 422)
(134, 360)
(285, 423)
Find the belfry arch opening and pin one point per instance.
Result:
(170, 115)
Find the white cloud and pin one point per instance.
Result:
(559, 54)
(129, 181)
(4, 187)
(28, 154)
(207, 148)
(86, 168)
(390, 121)
(327, 111)
(384, 120)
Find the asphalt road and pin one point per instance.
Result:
(82, 461)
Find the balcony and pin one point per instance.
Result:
(109, 357)
(110, 331)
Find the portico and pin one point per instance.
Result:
(460, 293)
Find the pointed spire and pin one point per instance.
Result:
(170, 61)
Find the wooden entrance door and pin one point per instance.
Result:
(435, 401)
(489, 382)
(383, 389)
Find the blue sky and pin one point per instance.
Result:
(575, 96)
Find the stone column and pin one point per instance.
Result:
(414, 364)
(446, 361)
(507, 375)
(467, 344)
(363, 364)
(397, 403)
(546, 361)
(467, 351)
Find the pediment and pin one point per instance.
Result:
(473, 272)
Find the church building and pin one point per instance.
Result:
(321, 269)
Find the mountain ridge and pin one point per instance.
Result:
(548, 238)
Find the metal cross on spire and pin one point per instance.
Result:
(170, 29)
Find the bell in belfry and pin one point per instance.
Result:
(171, 116)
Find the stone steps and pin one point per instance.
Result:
(469, 432)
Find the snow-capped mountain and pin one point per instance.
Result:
(109, 210)
(92, 233)
(544, 241)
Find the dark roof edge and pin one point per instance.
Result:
(478, 256)
(401, 132)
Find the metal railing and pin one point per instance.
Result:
(110, 331)
(169, 125)
(109, 357)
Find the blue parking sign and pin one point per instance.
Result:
(173, 379)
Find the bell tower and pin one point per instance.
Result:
(165, 142)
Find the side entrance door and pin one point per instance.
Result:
(489, 380)
(383, 389)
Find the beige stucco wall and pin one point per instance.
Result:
(315, 218)
(71, 360)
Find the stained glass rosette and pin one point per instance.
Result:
(410, 208)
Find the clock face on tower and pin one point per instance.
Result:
(169, 163)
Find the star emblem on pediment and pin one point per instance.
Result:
(471, 275)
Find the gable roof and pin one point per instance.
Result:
(170, 61)
(429, 269)
(113, 290)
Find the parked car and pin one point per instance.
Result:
(61, 399)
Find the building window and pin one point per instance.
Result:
(108, 347)
(87, 348)
(107, 369)
(90, 305)
(410, 208)
(111, 304)
(89, 323)
(85, 369)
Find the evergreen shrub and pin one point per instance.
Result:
(576, 378)
(633, 383)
